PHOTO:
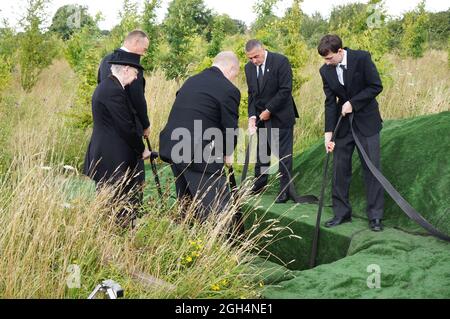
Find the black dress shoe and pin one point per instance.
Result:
(376, 225)
(282, 198)
(337, 221)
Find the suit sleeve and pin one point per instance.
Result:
(124, 121)
(284, 87)
(331, 109)
(373, 87)
(251, 100)
(137, 96)
(230, 119)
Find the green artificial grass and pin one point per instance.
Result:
(410, 266)
(414, 158)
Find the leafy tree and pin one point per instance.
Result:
(415, 27)
(313, 28)
(184, 19)
(439, 29)
(294, 46)
(264, 13)
(70, 18)
(363, 27)
(36, 49)
(150, 27)
(218, 35)
(265, 28)
(351, 15)
(129, 20)
(8, 49)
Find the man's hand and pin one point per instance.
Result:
(347, 108)
(146, 154)
(265, 116)
(228, 160)
(329, 146)
(252, 126)
(147, 132)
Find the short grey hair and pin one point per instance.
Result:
(253, 44)
(117, 68)
(136, 35)
(226, 59)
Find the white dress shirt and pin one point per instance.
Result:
(339, 71)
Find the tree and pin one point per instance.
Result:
(265, 28)
(415, 27)
(294, 46)
(70, 18)
(150, 27)
(36, 49)
(8, 49)
(218, 35)
(363, 27)
(129, 20)
(185, 18)
(439, 29)
(313, 28)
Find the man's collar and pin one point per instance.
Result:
(124, 49)
(344, 59)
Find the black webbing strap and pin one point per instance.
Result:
(395, 195)
(315, 242)
(301, 199)
(154, 155)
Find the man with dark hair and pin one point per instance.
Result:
(351, 84)
(136, 42)
(200, 134)
(269, 81)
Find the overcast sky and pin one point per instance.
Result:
(238, 9)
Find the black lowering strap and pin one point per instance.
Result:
(395, 195)
(301, 199)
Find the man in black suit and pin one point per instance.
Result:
(200, 134)
(351, 83)
(136, 42)
(116, 149)
(269, 81)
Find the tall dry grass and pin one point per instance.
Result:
(416, 87)
(53, 219)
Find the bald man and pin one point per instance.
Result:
(199, 136)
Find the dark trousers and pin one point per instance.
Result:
(342, 174)
(210, 189)
(129, 185)
(282, 143)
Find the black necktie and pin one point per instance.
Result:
(260, 78)
(344, 70)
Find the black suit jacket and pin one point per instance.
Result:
(115, 144)
(362, 85)
(135, 91)
(276, 92)
(213, 100)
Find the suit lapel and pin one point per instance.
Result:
(267, 70)
(332, 75)
(348, 74)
